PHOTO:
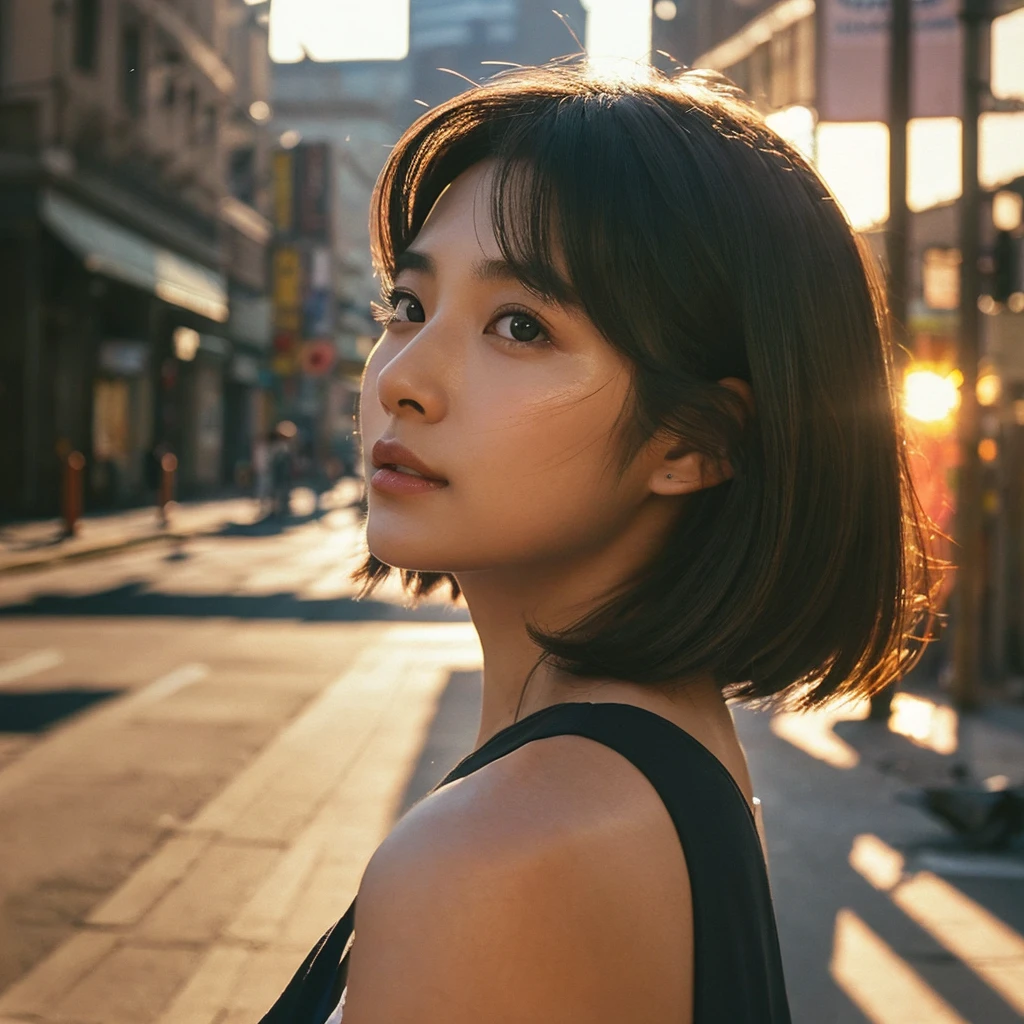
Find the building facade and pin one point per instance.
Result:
(819, 70)
(461, 36)
(351, 112)
(132, 246)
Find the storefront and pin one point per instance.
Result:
(111, 300)
(122, 420)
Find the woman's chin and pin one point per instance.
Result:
(399, 556)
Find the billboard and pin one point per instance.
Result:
(853, 65)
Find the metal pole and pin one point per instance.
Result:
(968, 528)
(900, 77)
(60, 10)
(900, 72)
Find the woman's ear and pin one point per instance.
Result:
(685, 472)
(688, 473)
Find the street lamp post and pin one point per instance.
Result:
(900, 72)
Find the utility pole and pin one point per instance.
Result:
(967, 533)
(900, 77)
(901, 64)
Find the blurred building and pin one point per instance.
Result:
(352, 112)
(819, 70)
(461, 36)
(133, 188)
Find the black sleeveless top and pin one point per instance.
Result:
(737, 963)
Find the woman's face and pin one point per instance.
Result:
(509, 398)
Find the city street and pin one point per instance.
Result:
(202, 742)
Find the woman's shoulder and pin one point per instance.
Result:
(542, 866)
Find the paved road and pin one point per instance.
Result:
(201, 747)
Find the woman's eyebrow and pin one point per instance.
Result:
(485, 270)
(491, 269)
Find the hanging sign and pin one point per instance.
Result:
(853, 67)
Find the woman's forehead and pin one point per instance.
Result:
(464, 208)
(461, 224)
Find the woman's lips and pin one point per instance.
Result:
(390, 481)
(390, 453)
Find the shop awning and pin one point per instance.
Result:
(107, 248)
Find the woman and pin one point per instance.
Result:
(634, 401)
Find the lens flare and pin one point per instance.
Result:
(929, 396)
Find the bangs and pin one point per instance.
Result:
(528, 199)
(579, 202)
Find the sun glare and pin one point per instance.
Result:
(929, 396)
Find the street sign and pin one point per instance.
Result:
(317, 357)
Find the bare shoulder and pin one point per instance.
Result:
(548, 886)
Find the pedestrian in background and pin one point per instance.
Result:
(261, 449)
(281, 469)
(634, 401)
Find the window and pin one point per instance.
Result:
(242, 174)
(193, 109)
(87, 25)
(209, 131)
(131, 72)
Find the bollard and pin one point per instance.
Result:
(71, 498)
(168, 467)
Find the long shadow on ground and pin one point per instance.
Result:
(134, 601)
(35, 711)
(270, 526)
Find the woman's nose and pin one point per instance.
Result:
(411, 382)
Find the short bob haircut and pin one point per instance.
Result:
(702, 245)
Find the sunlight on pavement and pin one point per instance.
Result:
(925, 723)
(877, 862)
(881, 983)
(29, 665)
(988, 946)
(811, 732)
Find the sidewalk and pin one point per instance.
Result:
(39, 543)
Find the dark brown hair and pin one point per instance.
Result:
(702, 246)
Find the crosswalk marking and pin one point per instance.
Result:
(175, 680)
(29, 665)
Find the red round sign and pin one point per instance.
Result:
(317, 357)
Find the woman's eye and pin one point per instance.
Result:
(407, 310)
(521, 327)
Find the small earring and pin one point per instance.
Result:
(669, 476)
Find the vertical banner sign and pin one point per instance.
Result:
(313, 226)
(303, 277)
(313, 163)
(287, 284)
(287, 288)
(283, 177)
(317, 304)
(853, 65)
